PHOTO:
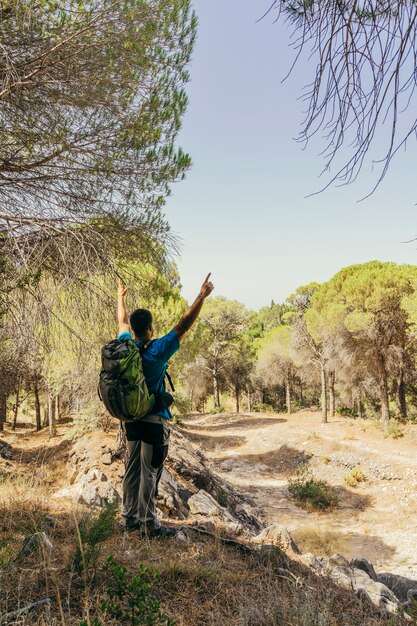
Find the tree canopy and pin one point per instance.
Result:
(91, 100)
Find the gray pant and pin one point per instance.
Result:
(141, 479)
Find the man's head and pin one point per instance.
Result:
(141, 323)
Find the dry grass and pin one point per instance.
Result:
(201, 582)
(319, 541)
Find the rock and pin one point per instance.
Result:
(92, 476)
(203, 505)
(37, 540)
(98, 494)
(67, 492)
(106, 459)
(172, 496)
(379, 594)
(366, 566)
(342, 576)
(181, 536)
(336, 560)
(277, 535)
(311, 561)
(73, 474)
(399, 585)
(412, 595)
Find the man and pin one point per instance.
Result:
(147, 439)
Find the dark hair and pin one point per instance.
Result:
(140, 320)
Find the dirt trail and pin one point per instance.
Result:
(376, 520)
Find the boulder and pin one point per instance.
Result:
(378, 593)
(202, 504)
(37, 540)
(277, 535)
(98, 493)
(172, 497)
(366, 566)
(400, 585)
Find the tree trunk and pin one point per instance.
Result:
(16, 407)
(332, 404)
(323, 394)
(288, 392)
(400, 399)
(3, 410)
(216, 392)
(360, 413)
(383, 391)
(237, 396)
(301, 392)
(37, 407)
(249, 401)
(56, 408)
(51, 417)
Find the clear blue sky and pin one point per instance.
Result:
(242, 211)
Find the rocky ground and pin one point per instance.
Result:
(257, 454)
(227, 476)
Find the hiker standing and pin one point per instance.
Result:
(148, 437)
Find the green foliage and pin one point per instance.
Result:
(395, 429)
(129, 598)
(263, 407)
(346, 411)
(90, 165)
(311, 494)
(92, 533)
(222, 496)
(355, 477)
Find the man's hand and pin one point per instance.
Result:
(207, 287)
(193, 312)
(121, 290)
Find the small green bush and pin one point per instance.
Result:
(129, 599)
(93, 531)
(394, 430)
(222, 496)
(317, 495)
(325, 459)
(346, 411)
(355, 477)
(260, 407)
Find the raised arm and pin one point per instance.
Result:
(122, 319)
(193, 312)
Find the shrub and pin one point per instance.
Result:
(325, 459)
(345, 411)
(313, 494)
(222, 496)
(92, 532)
(129, 599)
(355, 477)
(394, 430)
(260, 407)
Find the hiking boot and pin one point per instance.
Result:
(155, 529)
(131, 527)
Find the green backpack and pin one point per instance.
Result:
(122, 385)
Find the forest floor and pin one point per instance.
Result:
(204, 583)
(258, 454)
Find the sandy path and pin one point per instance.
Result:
(258, 453)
